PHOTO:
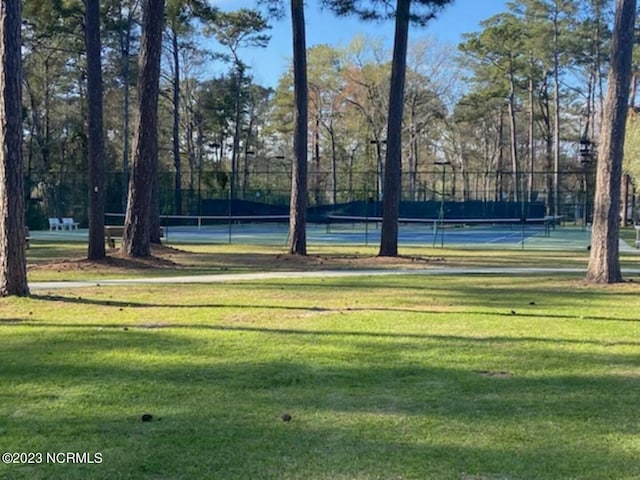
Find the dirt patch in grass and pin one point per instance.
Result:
(495, 373)
(160, 258)
(168, 258)
(352, 261)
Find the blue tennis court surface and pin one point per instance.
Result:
(414, 235)
(531, 237)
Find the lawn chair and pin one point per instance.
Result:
(68, 223)
(55, 224)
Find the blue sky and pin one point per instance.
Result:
(462, 16)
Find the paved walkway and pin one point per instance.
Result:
(239, 277)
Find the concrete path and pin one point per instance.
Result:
(239, 277)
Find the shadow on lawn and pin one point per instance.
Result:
(526, 311)
(350, 420)
(128, 328)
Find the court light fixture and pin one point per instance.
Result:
(586, 149)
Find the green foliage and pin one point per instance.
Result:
(240, 29)
(282, 114)
(180, 13)
(351, 95)
(496, 50)
(631, 162)
(421, 10)
(54, 17)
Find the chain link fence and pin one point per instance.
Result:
(66, 195)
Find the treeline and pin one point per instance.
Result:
(503, 114)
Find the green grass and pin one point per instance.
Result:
(416, 377)
(211, 259)
(200, 259)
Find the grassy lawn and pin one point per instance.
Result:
(49, 261)
(403, 377)
(57, 260)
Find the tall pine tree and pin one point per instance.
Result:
(604, 260)
(404, 12)
(138, 220)
(13, 266)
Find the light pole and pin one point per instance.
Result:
(245, 172)
(213, 148)
(379, 182)
(275, 157)
(586, 153)
(440, 222)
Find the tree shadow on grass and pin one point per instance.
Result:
(349, 421)
(512, 309)
(369, 408)
(311, 332)
(128, 327)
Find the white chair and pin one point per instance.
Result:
(55, 224)
(68, 223)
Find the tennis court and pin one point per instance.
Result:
(364, 231)
(364, 234)
(274, 230)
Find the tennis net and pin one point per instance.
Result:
(542, 224)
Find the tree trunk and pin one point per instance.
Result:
(190, 134)
(466, 183)
(626, 180)
(334, 167)
(235, 149)
(599, 81)
(298, 207)
(95, 129)
(138, 219)
(515, 164)
(604, 261)
(177, 161)
(245, 157)
(454, 181)
(379, 169)
(548, 139)
(393, 161)
(13, 265)
(486, 179)
(317, 180)
(500, 163)
(413, 153)
(532, 132)
(125, 47)
(634, 209)
(556, 117)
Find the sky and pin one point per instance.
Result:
(267, 64)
